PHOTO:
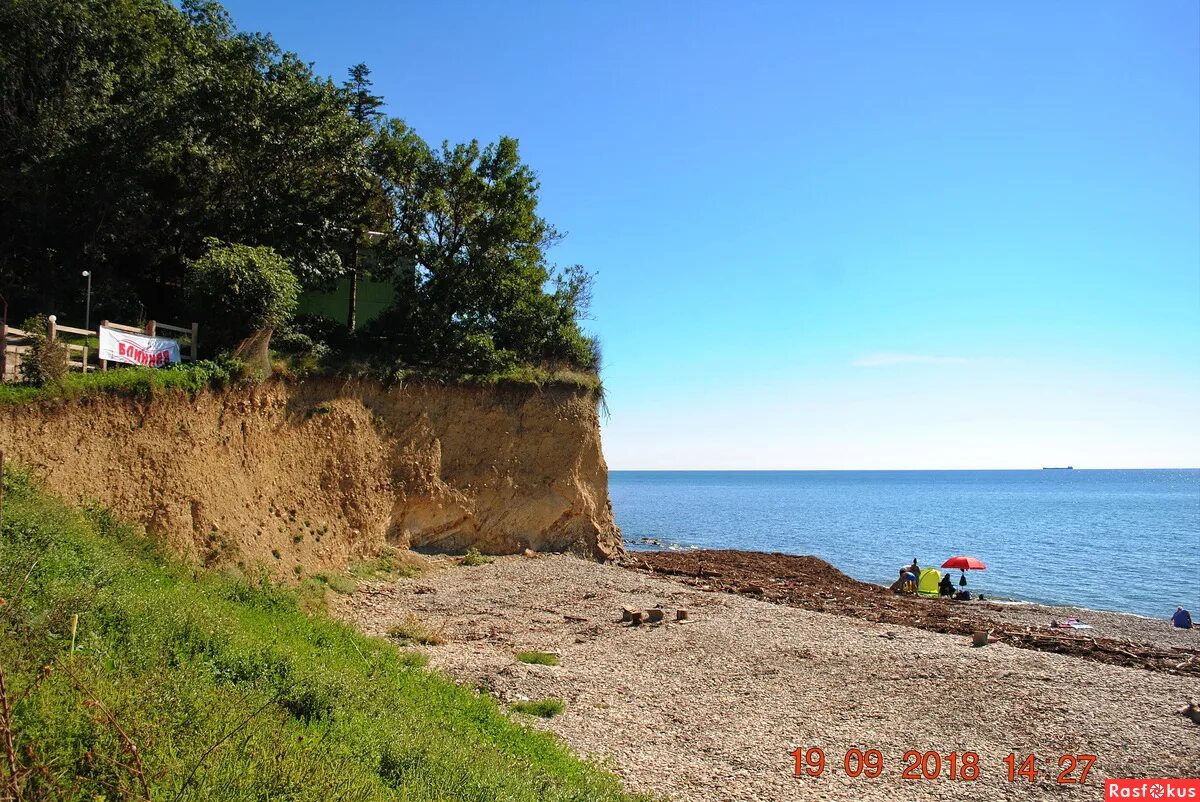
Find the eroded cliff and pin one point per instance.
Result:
(323, 472)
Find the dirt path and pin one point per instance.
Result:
(709, 710)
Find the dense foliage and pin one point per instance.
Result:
(131, 131)
(243, 289)
(466, 217)
(130, 676)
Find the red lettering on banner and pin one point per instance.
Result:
(1151, 788)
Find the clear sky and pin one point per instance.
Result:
(842, 234)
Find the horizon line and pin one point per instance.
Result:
(887, 470)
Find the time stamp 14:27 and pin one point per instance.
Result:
(915, 765)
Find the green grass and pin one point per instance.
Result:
(133, 382)
(338, 583)
(531, 375)
(227, 689)
(538, 658)
(543, 708)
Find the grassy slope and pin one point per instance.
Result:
(146, 382)
(291, 706)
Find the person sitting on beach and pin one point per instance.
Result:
(962, 595)
(946, 587)
(914, 568)
(907, 583)
(1182, 618)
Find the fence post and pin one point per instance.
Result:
(52, 327)
(195, 338)
(103, 362)
(3, 350)
(85, 357)
(151, 328)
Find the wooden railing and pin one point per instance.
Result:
(78, 355)
(54, 329)
(12, 351)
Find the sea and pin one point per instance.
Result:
(1120, 540)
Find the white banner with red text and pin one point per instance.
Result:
(137, 349)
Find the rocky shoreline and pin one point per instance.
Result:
(813, 584)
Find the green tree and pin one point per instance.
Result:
(466, 216)
(246, 292)
(364, 108)
(130, 130)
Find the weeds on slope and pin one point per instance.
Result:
(129, 675)
(133, 382)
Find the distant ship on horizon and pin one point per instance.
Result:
(1066, 468)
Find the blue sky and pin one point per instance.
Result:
(842, 235)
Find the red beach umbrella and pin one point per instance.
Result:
(965, 564)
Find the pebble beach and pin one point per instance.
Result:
(713, 708)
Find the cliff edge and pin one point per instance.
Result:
(322, 472)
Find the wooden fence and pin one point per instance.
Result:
(10, 356)
(16, 344)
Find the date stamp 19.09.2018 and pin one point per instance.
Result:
(914, 765)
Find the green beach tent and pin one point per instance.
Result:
(928, 583)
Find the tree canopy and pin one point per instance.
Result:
(132, 131)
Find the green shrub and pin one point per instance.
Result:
(475, 557)
(544, 708)
(45, 363)
(538, 658)
(242, 289)
(389, 565)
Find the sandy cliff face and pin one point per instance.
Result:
(321, 473)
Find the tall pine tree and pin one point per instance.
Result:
(364, 108)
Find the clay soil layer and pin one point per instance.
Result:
(710, 709)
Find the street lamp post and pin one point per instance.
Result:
(87, 309)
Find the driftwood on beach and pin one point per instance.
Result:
(813, 584)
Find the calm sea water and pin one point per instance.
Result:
(1108, 540)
